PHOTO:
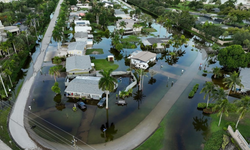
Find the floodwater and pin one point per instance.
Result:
(56, 121)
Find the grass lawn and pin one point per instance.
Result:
(232, 118)
(155, 141)
(103, 64)
(149, 29)
(4, 136)
(90, 51)
(131, 38)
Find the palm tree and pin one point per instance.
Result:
(217, 72)
(243, 106)
(141, 73)
(122, 24)
(219, 94)
(55, 71)
(154, 46)
(57, 35)
(107, 83)
(172, 54)
(221, 105)
(161, 20)
(232, 81)
(208, 89)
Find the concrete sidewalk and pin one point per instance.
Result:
(16, 121)
(3, 146)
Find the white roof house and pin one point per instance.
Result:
(158, 41)
(84, 86)
(76, 48)
(141, 58)
(83, 29)
(78, 64)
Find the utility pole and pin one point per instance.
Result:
(3, 85)
(74, 143)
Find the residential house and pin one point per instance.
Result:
(141, 59)
(76, 48)
(84, 37)
(82, 26)
(78, 65)
(84, 86)
(158, 41)
(121, 14)
(129, 26)
(73, 8)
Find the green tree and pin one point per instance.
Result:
(225, 34)
(161, 20)
(55, 88)
(222, 107)
(208, 88)
(154, 46)
(55, 71)
(57, 60)
(217, 72)
(232, 81)
(107, 83)
(247, 43)
(218, 94)
(233, 57)
(122, 24)
(141, 74)
(243, 106)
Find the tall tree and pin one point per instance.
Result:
(161, 20)
(233, 57)
(55, 71)
(216, 72)
(107, 83)
(243, 106)
(232, 81)
(208, 88)
(222, 107)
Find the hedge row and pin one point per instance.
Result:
(195, 88)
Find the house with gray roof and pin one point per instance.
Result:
(76, 48)
(158, 41)
(84, 86)
(84, 37)
(77, 65)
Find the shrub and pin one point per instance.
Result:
(215, 141)
(191, 94)
(204, 105)
(195, 88)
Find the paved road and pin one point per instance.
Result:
(16, 122)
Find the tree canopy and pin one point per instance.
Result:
(233, 57)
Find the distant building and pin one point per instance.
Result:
(141, 59)
(76, 48)
(78, 65)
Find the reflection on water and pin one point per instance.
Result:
(108, 130)
(138, 96)
(59, 105)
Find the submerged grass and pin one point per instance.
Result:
(103, 64)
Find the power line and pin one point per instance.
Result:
(45, 129)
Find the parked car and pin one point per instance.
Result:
(102, 102)
(81, 105)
